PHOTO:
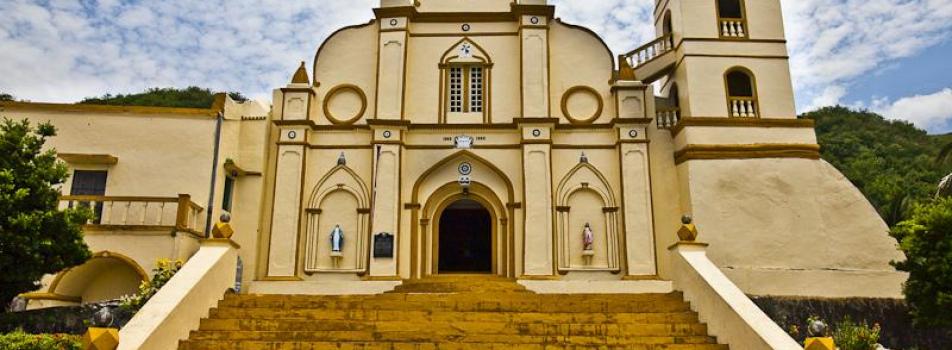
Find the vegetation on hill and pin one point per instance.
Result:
(36, 238)
(190, 97)
(891, 162)
(6, 97)
(926, 238)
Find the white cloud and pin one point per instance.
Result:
(929, 112)
(832, 43)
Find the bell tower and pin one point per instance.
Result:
(728, 59)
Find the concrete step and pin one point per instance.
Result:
(472, 304)
(418, 336)
(512, 328)
(291, 345)
(452, 316)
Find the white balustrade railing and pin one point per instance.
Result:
(649, 51)
(667, 118)
(742, 107)
(733, 28)
(179, 212)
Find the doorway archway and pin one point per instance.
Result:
(465, 238)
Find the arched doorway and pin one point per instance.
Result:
(465, 239)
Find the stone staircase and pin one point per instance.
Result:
(462, 312)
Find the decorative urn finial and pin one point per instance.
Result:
(300, 76)
(687, 232)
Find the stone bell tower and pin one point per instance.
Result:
(725, 58)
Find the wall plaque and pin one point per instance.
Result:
(383, 245)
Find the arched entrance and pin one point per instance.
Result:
(465, 239)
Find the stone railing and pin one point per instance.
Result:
(179, 306)
(742, 107)
(649, 51)
(733, 28)
(668, 117)
(140, 213)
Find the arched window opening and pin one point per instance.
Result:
(741, 93)
(669, 109)
(732, 19)
(667, 29)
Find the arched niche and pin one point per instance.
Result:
(340, 198)
(584, 196)
(105, 276)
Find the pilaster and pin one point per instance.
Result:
(387, 171)
(538, 246)
(391, 66)
(534, 43)
(286, 209)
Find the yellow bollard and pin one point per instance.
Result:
(819, 344)
(101, 339)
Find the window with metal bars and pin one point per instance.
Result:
(456, 89)
(466, 89)
(476, 89)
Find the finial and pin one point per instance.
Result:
(687, 232)
(583, 158)
(686, 219)
(300, 76)
(341, 160)
(625, 71)
(225, 217)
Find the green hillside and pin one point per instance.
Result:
(892, 162)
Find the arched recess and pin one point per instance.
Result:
(740, 86)
(340, 198)
(584, 196)
(438, 187)
(105, 276)
(465, 84)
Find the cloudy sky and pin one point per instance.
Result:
(889, 56)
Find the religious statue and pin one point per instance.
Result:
(588, 238)
(337, 239)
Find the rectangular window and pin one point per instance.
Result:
(228, 194)
(456, 89)
(476, 89)
(90, 183)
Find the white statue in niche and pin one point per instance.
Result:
(337, 239)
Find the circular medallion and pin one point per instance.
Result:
(466, 27)
(582, 105)
(465, 169)
(633, 133)
(534, 20)
(394, 22)
(536, 132)
(292, 134)
(387, 134)
(345, 104)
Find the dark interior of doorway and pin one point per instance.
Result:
(465, 244)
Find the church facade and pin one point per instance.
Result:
(489, 137)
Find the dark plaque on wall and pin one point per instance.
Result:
(383, 245)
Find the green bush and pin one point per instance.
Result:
(856, 336)
(926, 238)
(19, 340)
(163, 272)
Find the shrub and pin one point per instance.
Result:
(163, 272)
(19, 340)
(926, 238)
(856, 336)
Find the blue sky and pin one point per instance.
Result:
(889, 56)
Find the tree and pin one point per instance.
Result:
(926, 238)
(35, 237)
(190, 97)
(6, 97)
